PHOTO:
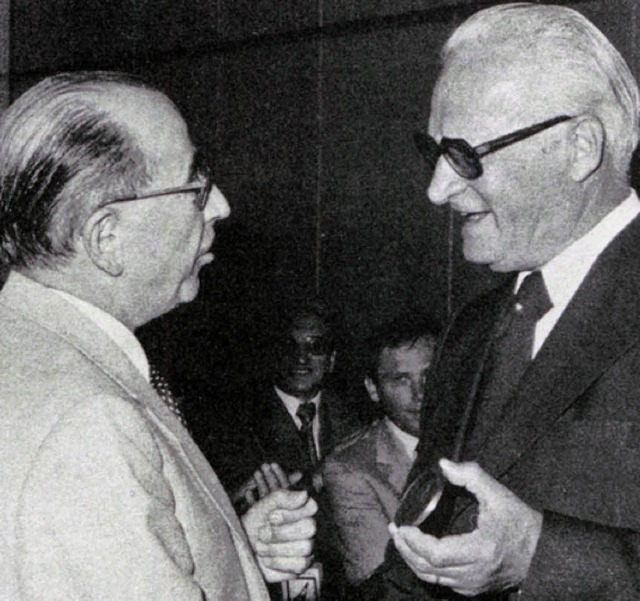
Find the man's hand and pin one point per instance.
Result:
(268, 478)
(280, 528)
(494, 557)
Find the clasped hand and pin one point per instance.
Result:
(493, 557)
(280, 528)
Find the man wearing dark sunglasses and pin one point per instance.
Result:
(106, 218)
(287, 422)
(533, 122)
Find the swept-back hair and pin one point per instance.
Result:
(61, 153)
(583, 69)
(404, 330)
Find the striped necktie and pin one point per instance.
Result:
(306, 412)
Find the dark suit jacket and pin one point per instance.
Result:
(263, 431)
(568, 442)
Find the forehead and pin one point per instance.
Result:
(477, 99)
(406, 357)
(307, 326)
(158, 127)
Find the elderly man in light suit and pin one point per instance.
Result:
(106, 218)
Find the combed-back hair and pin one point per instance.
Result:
(61, 153)
(404, 330)
(581, 70)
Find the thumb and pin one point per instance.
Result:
(285, 499)
(467, 475)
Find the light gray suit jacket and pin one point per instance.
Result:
(364, 478)
(104, 495)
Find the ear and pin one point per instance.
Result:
(371, 389)
(101, 241)
(588, 147)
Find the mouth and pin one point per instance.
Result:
(300, 371)
(473, 216)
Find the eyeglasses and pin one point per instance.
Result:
(201, 188)
(312, 346)
(464, 158)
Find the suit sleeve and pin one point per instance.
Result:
(97, 517)
(360, 519)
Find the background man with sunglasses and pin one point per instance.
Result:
(533, 123)
(106, 218)
(288, 422)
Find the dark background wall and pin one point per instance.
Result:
(307, 109)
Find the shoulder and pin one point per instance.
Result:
(357, 448)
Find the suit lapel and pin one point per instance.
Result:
(62, 319)
(326, 432)
(393, 463)
(275, 429)
(596, 328)
(458, 370)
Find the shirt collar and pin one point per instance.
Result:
(406, 440)
(292, 403)
(564, 273)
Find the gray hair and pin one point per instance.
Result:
(593, 75)
(60, 155)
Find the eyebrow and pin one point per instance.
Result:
(198, 165)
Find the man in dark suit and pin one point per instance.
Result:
(269, 428)
(285, 426)
(545, 372)
(365, 475)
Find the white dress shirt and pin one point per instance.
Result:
(292, 403)
(407, 441)
(565, 272)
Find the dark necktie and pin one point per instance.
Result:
(164, 392)
(306, 412)
(512, 349)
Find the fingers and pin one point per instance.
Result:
(267, 479)
(277, 569)
(250, 497)
(281, 479)
(285, 532)
(294, 478)
(297, 548)
(451, 551)
(291, 505)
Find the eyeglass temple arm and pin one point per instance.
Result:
(516, 136)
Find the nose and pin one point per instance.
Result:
(445, 183)
(302, 354)
(217, 207)
(418, 387)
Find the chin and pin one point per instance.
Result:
(189, 290)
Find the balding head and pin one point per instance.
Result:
(62, 151)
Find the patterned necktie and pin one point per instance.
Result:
(512, 350)
(164, 392)
(306, 412)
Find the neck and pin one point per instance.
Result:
(93, 292)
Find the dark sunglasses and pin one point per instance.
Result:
(464, 158)
(314, 346)
(201, 188)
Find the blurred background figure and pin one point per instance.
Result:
(365, 475)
